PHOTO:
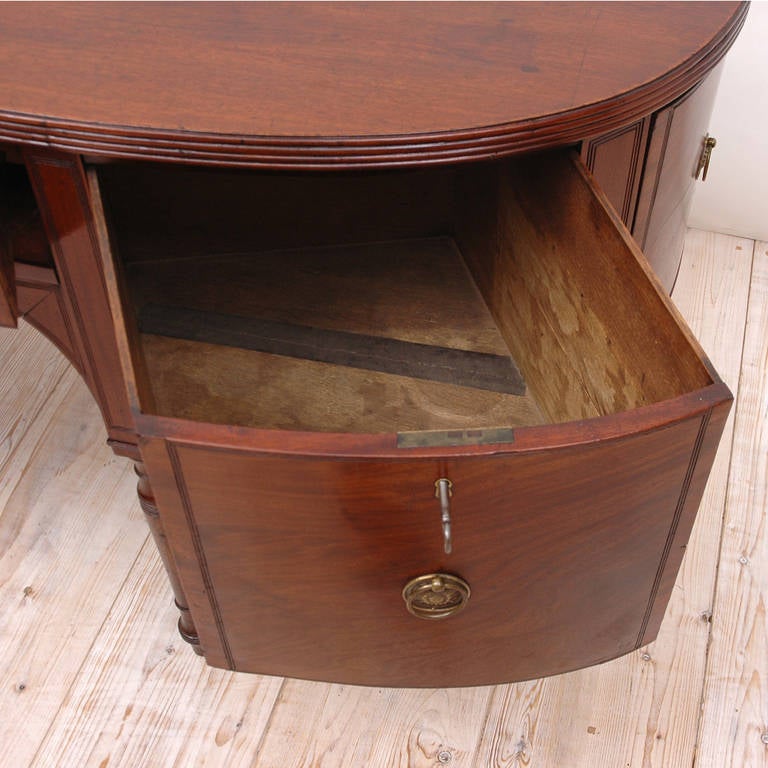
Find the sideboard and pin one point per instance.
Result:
(360, 289)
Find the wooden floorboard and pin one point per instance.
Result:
(95, 674)
(69, 534)
(27, 358)
(734, 726)
(331, 725)
(143, 699)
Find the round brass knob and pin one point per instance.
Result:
(436, 595)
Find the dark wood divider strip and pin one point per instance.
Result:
(480, 370)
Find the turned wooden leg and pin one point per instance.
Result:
(147, 501)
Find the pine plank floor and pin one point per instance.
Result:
(94, 673)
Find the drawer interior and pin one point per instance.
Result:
(497, 295)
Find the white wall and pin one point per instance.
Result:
(734, 198)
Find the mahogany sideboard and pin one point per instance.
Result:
(360, 289)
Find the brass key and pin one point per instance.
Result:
(444, 491)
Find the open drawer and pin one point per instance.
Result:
(416, 428)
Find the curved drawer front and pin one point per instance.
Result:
(297, 566)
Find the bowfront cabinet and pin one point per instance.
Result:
(409, 404)
(371, 454)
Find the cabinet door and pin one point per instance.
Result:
(674, 147)
(616, 159)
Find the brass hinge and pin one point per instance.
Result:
(706, 153)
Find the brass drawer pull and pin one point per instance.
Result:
(436, 595)
(444, 491)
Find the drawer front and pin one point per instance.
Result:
(296, 566)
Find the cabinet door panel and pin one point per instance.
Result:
(616, 161)
(674, 147)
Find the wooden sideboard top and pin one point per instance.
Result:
(326, 85)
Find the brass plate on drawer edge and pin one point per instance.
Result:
(436, 595)
(446, 438)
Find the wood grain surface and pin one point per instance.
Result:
(40, 585)
(59, 184)
(207, 383)
(669, 181)
(410, 291)
(351, 349)
(230, 711)
(324, 85)
(616, 160)
(733, 727)
(542, 263)
(361, 529)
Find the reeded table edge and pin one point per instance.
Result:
(386, 151)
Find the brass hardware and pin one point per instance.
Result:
(436, 595)
(706, 153)
(444, 491)
(450, 437)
